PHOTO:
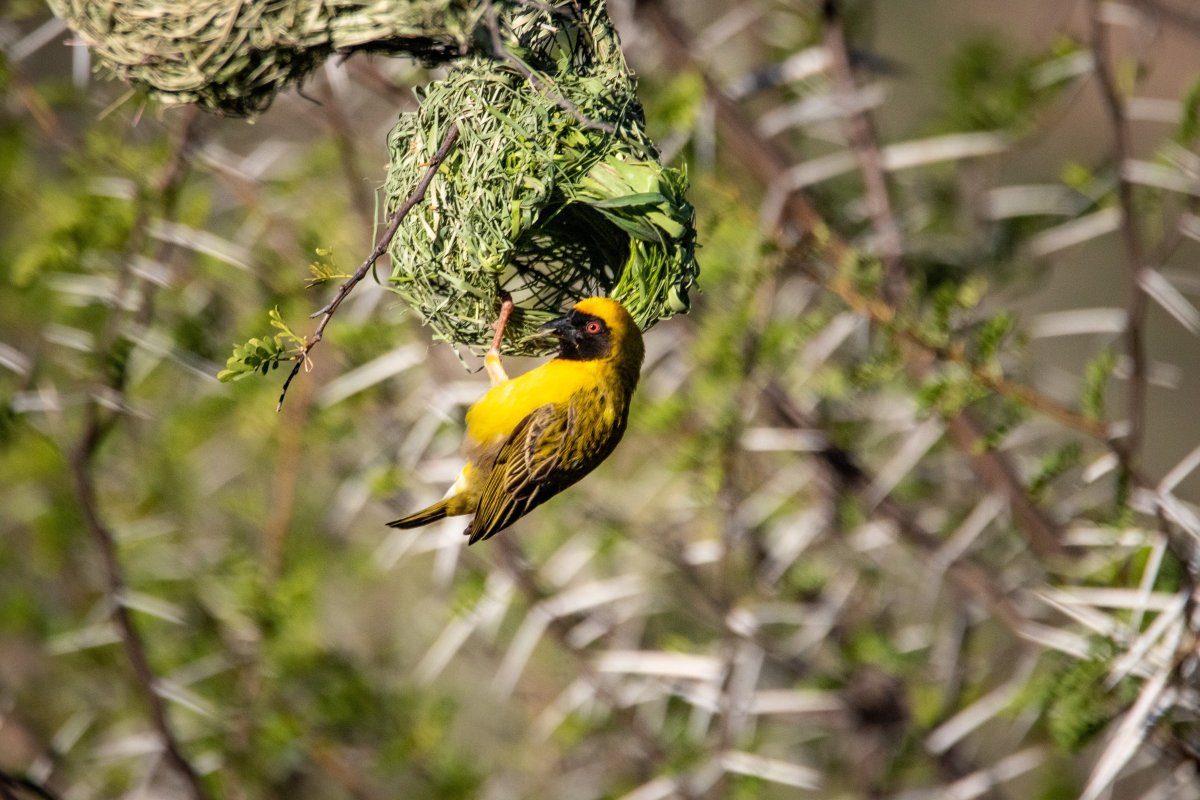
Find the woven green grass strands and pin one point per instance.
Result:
(553, 191)
(234, 56)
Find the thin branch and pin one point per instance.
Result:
(285, 477)
(81, 459)
(1127, 447)
(326, 313)
(860, 133)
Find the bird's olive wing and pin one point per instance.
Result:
(529, 470)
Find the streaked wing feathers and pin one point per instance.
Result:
(531, 467)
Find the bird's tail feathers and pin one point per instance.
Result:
(425, 516)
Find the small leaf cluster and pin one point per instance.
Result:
(970, 341)
(263, 354)
(324, 269)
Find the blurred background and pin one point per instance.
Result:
(921, 536)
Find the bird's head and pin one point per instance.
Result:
(598, 328)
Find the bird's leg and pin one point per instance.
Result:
(491, 362)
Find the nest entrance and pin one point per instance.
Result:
(574, 255)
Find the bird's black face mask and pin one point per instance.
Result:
(581, 337)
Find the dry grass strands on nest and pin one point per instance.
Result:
(235, 56)
(553, 191)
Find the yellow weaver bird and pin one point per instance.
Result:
(532, 436)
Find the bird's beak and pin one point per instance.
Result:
(561, 327)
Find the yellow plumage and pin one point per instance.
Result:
(530, 437)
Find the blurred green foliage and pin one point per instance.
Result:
(306, 651)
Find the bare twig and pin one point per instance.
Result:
(326, 313)
(1127, 448)
(860, 134)
(81, 459)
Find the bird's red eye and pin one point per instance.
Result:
(593, 327)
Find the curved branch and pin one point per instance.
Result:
(326, 313)
(81, 458)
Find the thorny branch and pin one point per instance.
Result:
(97, 424)
(969, 578)
(963, 428)
(767, 161)
(1128, 447)
(885, 315)
(326, 313)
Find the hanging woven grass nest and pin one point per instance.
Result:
(234, 56)
(552, 191)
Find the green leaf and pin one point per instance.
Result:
(263, 354)
(646, 198)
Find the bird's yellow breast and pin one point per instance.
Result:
(494, 416)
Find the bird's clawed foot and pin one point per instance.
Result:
(491, 362)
